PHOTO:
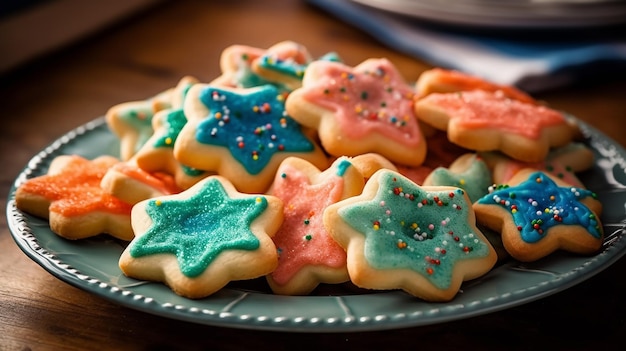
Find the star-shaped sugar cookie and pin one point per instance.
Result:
(284, 63)
(157, 154)
(368, 108)
(486, 121)
(242, 134)
(236, 66)
(131, 121)
(70, 196)
(537, 215)
(201, 239)
(468, 172)
(132, 184)
(307, 254)
(439, 80)
(399, 235)
(562, 162)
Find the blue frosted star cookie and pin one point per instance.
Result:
(537, 215)
(242, 134)
(399, 235)
(199, 240)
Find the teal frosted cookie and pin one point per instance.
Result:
(469, 172)
(537, 214)
(199, 240)
(243, 135)
(131, 121)
(399, 235)
(285, 63)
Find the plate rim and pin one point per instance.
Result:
(26, 239)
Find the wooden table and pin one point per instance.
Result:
(151, 52)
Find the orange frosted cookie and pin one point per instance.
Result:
(399, 235)
(485, 121)
(439, 80)
(537, 215)
(222, 236)
(368, 108)
(71, 198)
(242, 134)
(307, 255)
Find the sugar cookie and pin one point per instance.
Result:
(469, 172)
(399, 235)
(221, 235)
(563, 162)
(359, 110)
(285, 63)
(131, 121)
(242, 135)
(439, 80)
(307, 255)
(131, 184)
(71, 198)
(485, 121)
(236, 66)
(537, 215)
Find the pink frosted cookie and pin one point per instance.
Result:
(222, 236)
(439, 80)
(243, 135)
(131, 184)
(486, 121)
(307, 255)
(368, 108)
(399, 235)
(563, 163)
(71, 198)
(537, 215)
(468, 172)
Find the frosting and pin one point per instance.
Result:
(162, 182)
(293, 63)
(510, 168)
(199, 228)
(76, 191)
(539, 204)
(371, 98)
(172, 123)
(252, 124)
(407, 227)
(302, 238)
(237, 68)
(287, 58)
(455, 80)
(475, 180)
(480, 109)
(139, 118)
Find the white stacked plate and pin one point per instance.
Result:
(510, 13)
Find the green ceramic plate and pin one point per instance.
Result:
(91, 264)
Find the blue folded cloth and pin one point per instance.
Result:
(532, 65)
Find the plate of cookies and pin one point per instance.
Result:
(298, 193)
